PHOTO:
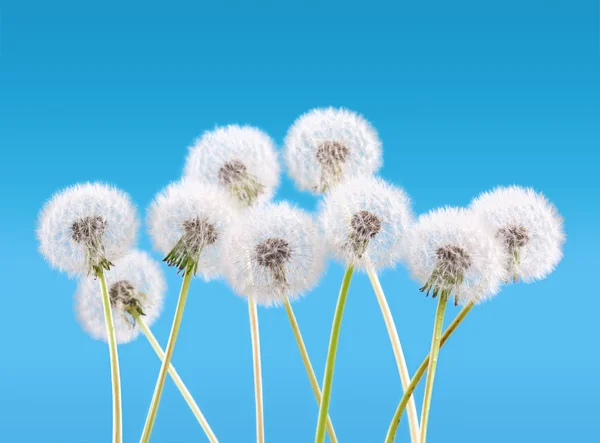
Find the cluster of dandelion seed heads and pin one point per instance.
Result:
(364, 222)
(240, 159)
(135, 284)
(451, 252)
(529, 226)
(86, 226)
(186, 223)
(326, 146)
(273, 253)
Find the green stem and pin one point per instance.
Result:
(258, 394)
(331, 353)
(413, 419)
(176, 378)
(187, 277)
(435, 349)
(114, 358)
(391, 434)
(307, 365)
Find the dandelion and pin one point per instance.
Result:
(325, 146)
(85, 227)
(239, 159)
(186, 222)
(272, 255)
(364, 222)
(136, 288)
(452, 254)
(82, 229)
(528, 225)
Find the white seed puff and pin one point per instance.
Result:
(364, 221)
(189, 219)
(240, 159)
(529, 226)
(135, 282)
(326, 146)
(85, 226)
(450, 250)
(272, 253)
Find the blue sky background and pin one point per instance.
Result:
(465, 95)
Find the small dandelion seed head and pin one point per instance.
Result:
(273, 253)
(529, 226)
(135, 285)
(451, 253)
(326, 146)
(240, 159)
(364, 221)
(186, 222)
(86, 226)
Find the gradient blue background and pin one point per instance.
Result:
(465, 94)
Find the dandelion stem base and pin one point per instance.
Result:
(176, 379)
(187, 278)
(413, 418)
(307, 365)
(114, 359)
(331, 353)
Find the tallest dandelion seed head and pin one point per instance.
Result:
(326, 146)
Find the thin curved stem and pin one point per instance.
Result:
(391, 434)
(114, 359)
(177, 379)
(307, 365)
(162, 375)
(413, 418)
(331, 353)
(435, 349)
(258, 395)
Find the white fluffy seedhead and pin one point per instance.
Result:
(328, 145)
(528, 225)
(186, 222)
(274, 252)
(364, 221)
(240, 159)
(135, 285)
(452, 253)
(85, 227)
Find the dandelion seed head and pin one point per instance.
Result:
(135, 284)
(326, 146)
(186, 222)
(451, 252)
(86, 226)
(529, 226)
(273, 253)
(364, 221)
(240, 159)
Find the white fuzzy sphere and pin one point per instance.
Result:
(274, 252)
(80, 202)
(345, 214)
(233, 144)
(145, 276)
(457, 228)
(350, 131)
(513, 207)
(190, 200)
